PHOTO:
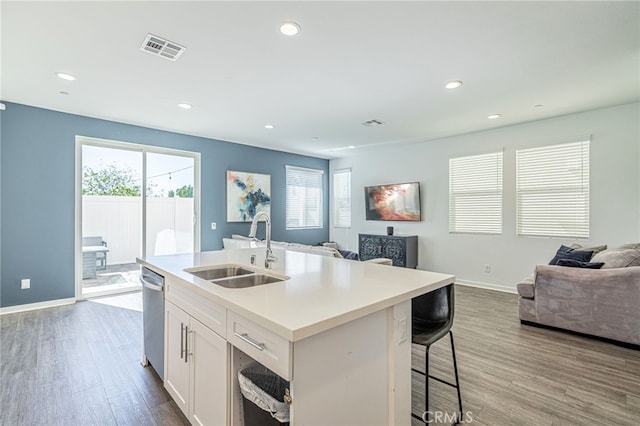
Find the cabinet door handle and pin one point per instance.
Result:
(245, 338)
(186, 343)
(181, 340)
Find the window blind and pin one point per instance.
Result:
(342, 198)
(552, 187)
(475, 194)
(303, 198)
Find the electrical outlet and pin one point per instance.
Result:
(487, 269)
(213, 225)
(402, 328)
(25, 283)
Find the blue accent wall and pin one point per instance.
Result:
(37, 179)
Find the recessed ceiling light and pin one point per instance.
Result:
(453, 84)
(269, 126)
(351, 147)
(289, 28)
(494, 116)
(65, 76)
(184, 106)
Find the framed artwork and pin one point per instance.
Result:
(247, 194)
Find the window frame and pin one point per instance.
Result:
(342, 202)
(320, 201)
(559, 187)
(466, 175)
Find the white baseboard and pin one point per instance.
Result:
(488, 286)
(39, 305)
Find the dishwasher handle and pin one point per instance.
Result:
(151, 280)
(150, 285)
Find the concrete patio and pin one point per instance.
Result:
(123, 276)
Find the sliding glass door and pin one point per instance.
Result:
(170, 209)
(135, 201)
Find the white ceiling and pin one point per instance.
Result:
(352, 62)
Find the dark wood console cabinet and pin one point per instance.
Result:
(402, 249)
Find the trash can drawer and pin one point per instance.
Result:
(266, 347)
(266, 397)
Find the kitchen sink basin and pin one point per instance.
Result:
(247, 281)
(220, 272)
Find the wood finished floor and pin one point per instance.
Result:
(512, 374)
(80, 365)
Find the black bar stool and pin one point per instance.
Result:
(432, 318)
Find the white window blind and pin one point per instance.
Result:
(303, 198)
(552, 186)
(475, 194)
(342, 198)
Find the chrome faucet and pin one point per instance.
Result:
(270, 258)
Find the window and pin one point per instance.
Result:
(552, 187)
(303, 198)
(475, 194)
(342, 198)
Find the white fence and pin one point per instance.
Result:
(118, 220)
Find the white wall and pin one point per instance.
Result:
(118, 220)
(615, 193)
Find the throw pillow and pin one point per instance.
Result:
(618, 258)
(578, 264)
(594, 249)
(565, 252)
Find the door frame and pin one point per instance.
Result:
(129, 146)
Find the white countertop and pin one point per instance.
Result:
(322, 292)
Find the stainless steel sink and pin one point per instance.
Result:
(221, 272)
(247, 281)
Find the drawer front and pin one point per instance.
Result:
(266, 347)
(204, 310)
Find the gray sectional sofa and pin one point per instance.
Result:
(599, 302)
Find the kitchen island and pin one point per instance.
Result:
(338, 330)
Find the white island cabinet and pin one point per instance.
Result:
(196, 363)
(338, 330)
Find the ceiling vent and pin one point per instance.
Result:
(161, 47)
(372, 123)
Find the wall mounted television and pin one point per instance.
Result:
(397, 201)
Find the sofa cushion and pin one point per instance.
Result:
(577, 264)
(594, 249)
(525, 287)
(565, 252)
(242, 237)
(629, 246)
(601, 302)
(618, 258)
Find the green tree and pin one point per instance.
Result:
(171, 193)
(110, 180)
(185, 192)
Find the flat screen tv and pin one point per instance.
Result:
(397, 201)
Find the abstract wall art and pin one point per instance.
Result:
(247, 194)
(398, 201)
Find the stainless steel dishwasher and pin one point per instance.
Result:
(153, 319)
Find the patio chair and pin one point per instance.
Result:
(101, 255)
